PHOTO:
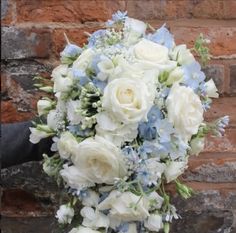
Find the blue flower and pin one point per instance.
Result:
(123, 227)
(164, 129)
(99, 84)
(81, 76)
(78, 131)
(148, 149)
(193, 75)
(119, 16)
(71, 50)
(163, 37)
(96, 36)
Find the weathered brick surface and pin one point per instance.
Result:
(7, 12)
(233, 79)
(24, 43)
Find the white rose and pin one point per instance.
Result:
(119, 205)
(197, 145)
(154, 223)
(84, 60)
(127, 100)
(94, 219)
(75, 178)
(182, 55)
(73, 115)
(65, 214)
(175, 75)
(174, 170)
(66, 145)
(44, 106)
(114, 131)
(211, 89)
(100, 160)
(91, 199)
(36, 134)
(62, 82)
(83, 230)
(136, 25)
(185, 110)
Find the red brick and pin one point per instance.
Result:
(230, 9)
(76, 36)
(67, 11)
(223, 106)
(7, 12)
(233, 79)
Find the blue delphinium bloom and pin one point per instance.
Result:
(220, 124)
(99, 84)
(71, 50)
(147, 130)
(119, 16)
(123, 227)
(148, 149)
(78, 131)
(96, 36)
(163, 37)
(96, 59)
(164, 130)
(193, 75)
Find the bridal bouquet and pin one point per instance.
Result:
(125, 112)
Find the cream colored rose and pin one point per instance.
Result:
(184, 110)
(62, 82)
(120, 206)
(127, 100)
(84, 60)
(66, 145)
(99, 160)
(211, 89)
(182, 55)
(174, 170)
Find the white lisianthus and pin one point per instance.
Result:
(135, 25)
(197, 145)
(175, 75)
(155, 200)
(38, 134)
(74, 178)
(127, 100)
(66, 145)
(94, 219)
(114, 131)
(185, 110)
(174, 169)
(84, 60)
(83, 230)
(44, 106)
(99, 160)
(154, 222)
(120, 205)
(182, 55)
(62, 82)
(211, 89)
(91, 199)
(53, 119)
(65, 214)
(106, 68)
(73, 115)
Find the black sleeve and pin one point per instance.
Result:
(16, 147)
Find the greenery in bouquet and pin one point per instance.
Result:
(125, 112)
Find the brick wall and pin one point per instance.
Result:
(32, 37)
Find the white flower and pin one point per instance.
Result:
(75, 178)
(182, 55)
(94, 219)
(100, 160)
(175, 75)
(155, 200)
(37, 134)
(114, 131)
(73, 115)
(65, 214)
(211, 89)
(185, 110)
(197, 145)
(84, 60)
(127, 100)
(53, 119)
(106, 68)
(154, 223)
(43, 106)
(83, 230)
(91, 199)
(62, 82)
(66, 145)
(174, 170)
(135, 25)
(120, 205)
